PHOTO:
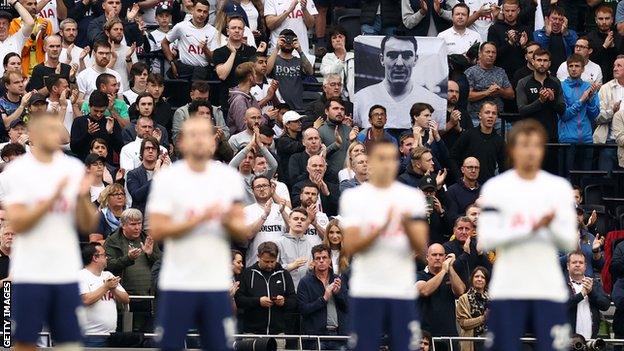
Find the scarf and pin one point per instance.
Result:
(110, 219)
(478, 304)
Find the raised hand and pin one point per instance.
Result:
(110, 124)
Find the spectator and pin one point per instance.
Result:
(340, 61)
(333, 240)
(587, 297)
(11, 62)
(227, 58)
(253, 120)
(112, 204)
(472, 309)
(49, 66)
(483, 15)
(194, 55)
(332, 90)
(32, 52)
(200, 99)
(130, 155)
(335, 133)
(145, 107)
(556, 37)
(487, 83)
(137, 82)
(6, 241)
(575, 124)
(510, 38)
(421, 19)
(426, 341)
(14, 41)
(298, 162)
(322, 301)
(380, 17)
(359, 164)
(155, 37)
(458, 38)
(140, 178)
(455, 124)
(616, 269)
(421, 164)
(406, 144)
(71, 53)
(87, 79)
(602, 41)
(99, 147)
(266, 293)
(355, 148)
(241, 100)
(131, 254)
(18, 134)
(610, 95)
(465, 247)
(162, 108)
(114, 30)
(244, 162)
(289, 70)
(280, 190)
(116, 107)
(483, 144)
(289, 144)
(466, 191)
(377, 119)
(309, 199)
(473, 211)
(100, 291)
(14, 102)
(95, 125)
(438, 286)
(592, 73)
(317, 174)
(426, 132)
(62, 100)
(295, 247)
(266, 217)
(539, 95)
(435, 211)
(294, 17)
(112, 9)
(95, 167)
(526, 70)
(265, 89)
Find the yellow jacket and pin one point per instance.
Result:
(27, 66)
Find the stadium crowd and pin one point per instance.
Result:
(112, 71)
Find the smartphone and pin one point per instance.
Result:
(430, 201)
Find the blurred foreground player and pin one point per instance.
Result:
(194, 217)
(47, 197)
(384, 223)
(527, 213)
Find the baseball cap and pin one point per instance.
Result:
(36, 98)
(93, 158)
(17, 122)
(288, 33)
(6, 15)
(428, 183)
(163, 7)
(291, 116)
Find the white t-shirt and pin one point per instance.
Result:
(252, 14)
(322, 220)
(272, 229)
(67, 121)
(510, 207)
(95, 192)
(86, 80)
(75, 56)
(199, 260)
(54, 238)
(121, 66)
(13, 43)
(459, 43)
(387, 268)
(592, 72)
(131, 96)
(100, 317)
(129, 157)
(260, 91)
(50, 12)
(483, 23)
(294, 21)
(189, 37)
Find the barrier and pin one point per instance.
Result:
(451, 339)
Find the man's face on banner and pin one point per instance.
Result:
(399, 58)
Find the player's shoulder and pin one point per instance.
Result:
(401, 188)
(503, 180)
(222, 170)
(552, 181)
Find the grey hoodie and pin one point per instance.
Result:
(239, 102)
(292, 247)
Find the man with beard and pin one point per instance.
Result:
(6, 240)
(125, 55)
(539, 96)
(457, 119)
(309, 199)
(317, 174)
(13, 42)
(397, 91)
(377, 118)
(527, 69)
(335, 134)
(556, 37)
(605, 42)
(332, 89)
(71, 53)
(297, 164)
(112, 9)
(87, 78)
(253, 119)
(52, 65)
(510, 37)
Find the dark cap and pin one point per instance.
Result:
(17, 122)
(163, 7)
(6, 15)
(428, 183)
(36, 98)
(288, 33)
(93, 158)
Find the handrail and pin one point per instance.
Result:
(450, 340)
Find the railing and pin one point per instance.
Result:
(452, 339)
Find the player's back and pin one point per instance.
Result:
(199, 260)
(527, 264)
(386, 269)
(49, 251)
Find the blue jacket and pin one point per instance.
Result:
(575, 124)
(569, 40)
(138, 187)
(313, 307)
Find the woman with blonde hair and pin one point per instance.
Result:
(355, 148)
(333, 240)
(112, 203)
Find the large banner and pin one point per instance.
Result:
(409, 70)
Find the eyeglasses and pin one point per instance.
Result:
(261, 186)
(117, 194)
(577, 46)
(472, 168)
(149, 148)
(378, 114)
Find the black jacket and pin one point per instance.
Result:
(255, 284)
(409, 177)
(547, 113)
(128, 134)
(138, 187)
(329, 203)
(80, 140)
(132, 33)
(508, 57)
(390, 12)
(459, 197)
(489, 149)
(286, 147)
(313, 307)
(598, 301)
(605, 57)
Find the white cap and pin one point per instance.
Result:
(291, 116)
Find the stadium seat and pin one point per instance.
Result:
(351, 24)
(621, 221)
(594, 193)
(309, 96)
(339, 12)
(177, 91)
(315, 87)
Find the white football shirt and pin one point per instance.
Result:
(387, 268)
(101, 317)
(86, 80)
(199, 260)
(294, 21)
(272, 229)
(50, 12)
(48, 253)
(189, 37)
